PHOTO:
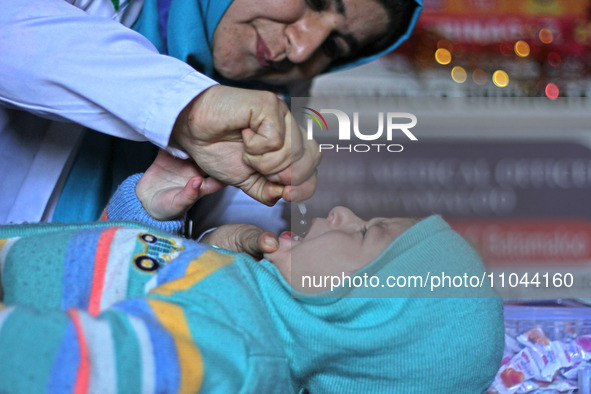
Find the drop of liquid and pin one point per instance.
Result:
(303, 223)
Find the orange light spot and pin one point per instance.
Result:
(443, 56)
(522, 48)
(546, 36)
(500, 78)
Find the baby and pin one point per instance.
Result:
(123, 307)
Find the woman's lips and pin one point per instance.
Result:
(263, 53)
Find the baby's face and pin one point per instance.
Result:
(341, 243)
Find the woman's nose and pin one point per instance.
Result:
(307, 34)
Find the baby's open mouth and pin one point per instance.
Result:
(288, 235)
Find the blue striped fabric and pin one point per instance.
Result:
(65, 367)
(79, 267)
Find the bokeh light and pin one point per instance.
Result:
(522, 48)
(443, 56)
(546, 36)
(552, 91)
(500, 78)
(479, 77)
(458, 74)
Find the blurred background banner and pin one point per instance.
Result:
(500, 91)
(512, 175)
(532, 48)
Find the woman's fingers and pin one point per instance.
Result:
(248, 139)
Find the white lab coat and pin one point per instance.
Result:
(75, 61)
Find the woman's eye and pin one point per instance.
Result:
(331, 47)
(317, 5)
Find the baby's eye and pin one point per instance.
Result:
(363, 231)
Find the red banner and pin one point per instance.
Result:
(528, 242)
(492, 8)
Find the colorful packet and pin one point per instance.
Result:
(558, 386)
(572, 373)
(535, 336)
(521, 368)
(584, 343)
(511, 345)
(551, 358)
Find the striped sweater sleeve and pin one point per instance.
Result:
(142, 342)
(124, 205)
(124, 349)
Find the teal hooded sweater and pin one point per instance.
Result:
(122, 307)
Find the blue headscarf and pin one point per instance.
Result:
(388, 49)
(184, 29)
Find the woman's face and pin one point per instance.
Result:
(279, 41)
(341, 243)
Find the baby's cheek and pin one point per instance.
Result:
(282, 260)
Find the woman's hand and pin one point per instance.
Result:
(171, 186)
(250, 140)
